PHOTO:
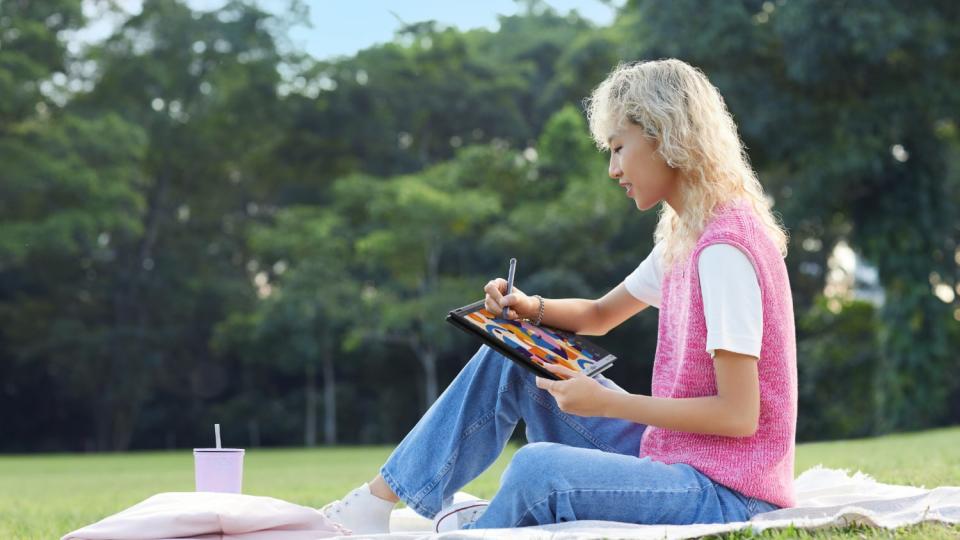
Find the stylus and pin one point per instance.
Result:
(510, 274)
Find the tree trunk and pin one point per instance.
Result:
(329, 401)
(253, 432)
(129, 383)
(429, 360)
(310, 416)
(429, 355)
(102, 427)
(124, 421)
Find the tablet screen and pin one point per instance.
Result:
(540, 344)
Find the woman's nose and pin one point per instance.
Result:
(615, 171)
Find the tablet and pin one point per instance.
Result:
(530, 345)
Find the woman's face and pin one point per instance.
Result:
(640, 171)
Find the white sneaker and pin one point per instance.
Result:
(360, 511)
(458, 515)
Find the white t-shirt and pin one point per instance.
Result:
(731, 296)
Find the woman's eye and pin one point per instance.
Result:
(617, 150)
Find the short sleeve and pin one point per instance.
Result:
(732, 302)
(645, 282)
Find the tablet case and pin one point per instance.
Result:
(530, 345)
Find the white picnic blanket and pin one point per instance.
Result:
(825, 497)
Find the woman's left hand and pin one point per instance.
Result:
(578, 394)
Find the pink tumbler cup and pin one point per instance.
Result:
(218, 469)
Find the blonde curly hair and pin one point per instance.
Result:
(678, 108)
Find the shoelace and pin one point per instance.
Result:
(468, 515)
(335, 507)
(472, 515)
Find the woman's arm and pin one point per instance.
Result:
(590, 317)
(614, 308)
(593, 317)
(733, 412)
(577, 315)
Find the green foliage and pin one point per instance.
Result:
(566, 150)
(67, 182)
(198, 227)
(32, 51)
(837, 357)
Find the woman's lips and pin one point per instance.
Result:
(629, 188)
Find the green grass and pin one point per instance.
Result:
(46, 496)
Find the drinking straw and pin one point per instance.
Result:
(216, 429)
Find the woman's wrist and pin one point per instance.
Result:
(609, 403)
(533, 307)
(536, 310)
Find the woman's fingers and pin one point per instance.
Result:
(563, 371)
(511, 301)
(494, 299)
(493, 289)
(492, 306)
(497, 302)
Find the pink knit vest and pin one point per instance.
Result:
(761, 465)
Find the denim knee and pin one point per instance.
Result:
(510, 372)
(533, 469)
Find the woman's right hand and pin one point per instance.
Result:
(517, 304)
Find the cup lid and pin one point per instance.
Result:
(226, 450)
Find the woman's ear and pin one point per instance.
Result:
(669, 161)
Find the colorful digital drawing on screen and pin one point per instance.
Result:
(537, 343)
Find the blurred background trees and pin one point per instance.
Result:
(197, 225)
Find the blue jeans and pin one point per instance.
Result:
(573, 468)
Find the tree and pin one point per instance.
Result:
(153, 213)
(307, 308)
(70, 188)
(420, 219)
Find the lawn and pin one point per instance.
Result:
(46, 496)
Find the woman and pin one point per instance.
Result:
(715, 441)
